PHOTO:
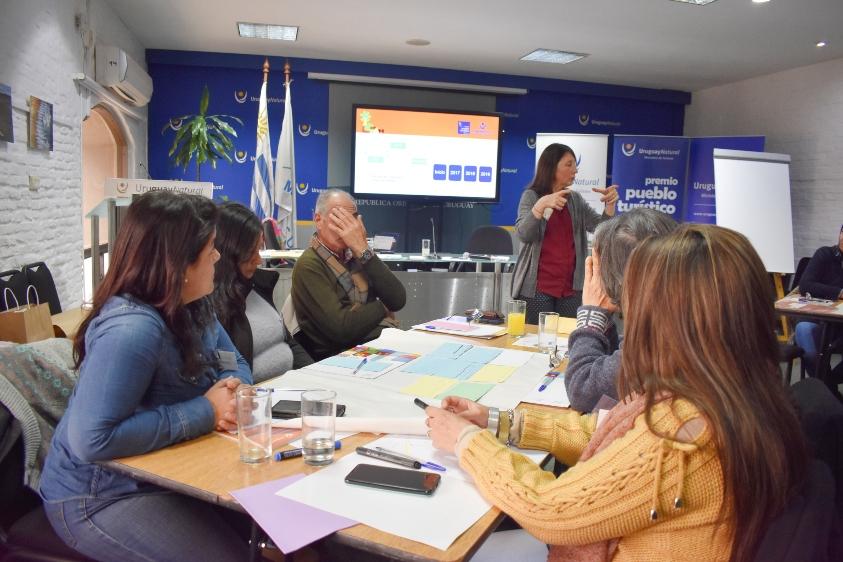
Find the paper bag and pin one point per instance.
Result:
(27, 323)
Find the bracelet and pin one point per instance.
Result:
(511, 415)
(493, 421)
(504, 427)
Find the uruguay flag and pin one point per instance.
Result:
(262, 188)
(285, 177)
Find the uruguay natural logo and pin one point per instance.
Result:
(122, 187)
(584, 119)
(240, 156)
(240, 96)
(302, 188)
(628, 148)
(175, 124)
(579, 159)
(531, 143)
(304, 129)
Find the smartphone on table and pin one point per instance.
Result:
(289, 409)
(397, 479)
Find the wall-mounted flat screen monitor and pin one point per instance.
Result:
(427, 154)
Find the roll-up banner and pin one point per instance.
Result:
(650, 172)
(591, 152)
(699, 201)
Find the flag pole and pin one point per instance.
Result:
(265, 69)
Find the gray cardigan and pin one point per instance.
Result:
(530, 231)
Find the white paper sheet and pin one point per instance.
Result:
(554, 395)
(404, 426)
(435, 520)
(512, 358)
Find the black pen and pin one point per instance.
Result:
(420, 403)
(388, 457)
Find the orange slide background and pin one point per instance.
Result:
(422, 123)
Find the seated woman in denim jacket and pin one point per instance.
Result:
(243, 297)
(155, 368)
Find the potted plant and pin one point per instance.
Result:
(201, 137)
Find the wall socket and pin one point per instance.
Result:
(34, 183)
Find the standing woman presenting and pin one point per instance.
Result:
(552, 224)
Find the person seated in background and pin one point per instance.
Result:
(702, 453)
(155, 368)
(243, 297)
(823, 279)
(594, 348)
(342, 293)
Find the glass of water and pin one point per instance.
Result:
(548, 324)
(318, 420)
(254, 423)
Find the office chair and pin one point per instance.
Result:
(15, 280)
(38, 275)
(488, 239)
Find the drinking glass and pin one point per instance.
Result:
(318, 421)
(548, 325)
(516, 312)
(254, 423)
(425, 247)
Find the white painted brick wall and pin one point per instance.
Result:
(39, 50)
(800, 111)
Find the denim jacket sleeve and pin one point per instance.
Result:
(106, 422)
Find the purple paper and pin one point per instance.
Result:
(290, 524)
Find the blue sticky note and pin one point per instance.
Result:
(438, 366)
(340, 361)
(480, 354)
(450, 350)
(469, 370)
(376, 366)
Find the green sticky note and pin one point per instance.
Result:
(470, 390)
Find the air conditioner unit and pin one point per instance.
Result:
(118, 71)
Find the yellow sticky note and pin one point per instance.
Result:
(429, 386)
(493, 373)
(566, 325)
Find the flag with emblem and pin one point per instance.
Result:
(261, 200)
(285, 177)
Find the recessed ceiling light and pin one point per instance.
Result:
(821, 43)
(268, 31)
(760, 1)
(549, 55)
(696, 2)
(418, 42)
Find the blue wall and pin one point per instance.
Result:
(234, 82)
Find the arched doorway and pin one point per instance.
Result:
(104, 155)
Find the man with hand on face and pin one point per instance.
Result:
(342, 293)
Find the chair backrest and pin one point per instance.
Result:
(800, 269)
(38, 275)
(821, 417)
(808, 529)
(15, 280)
(489, 239)
(270, 239)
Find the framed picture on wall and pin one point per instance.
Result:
(7, 131)
(40, 124)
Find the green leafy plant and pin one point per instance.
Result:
(201, 137)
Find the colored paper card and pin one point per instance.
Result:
(470, 390)
(340, 361)
(453, 326)
(450, 350)
(428, 386)
(376, 366)
(439, 366)
(469, 370)
(290, 524)
(493, 373)
(512, 358)
(480, 354)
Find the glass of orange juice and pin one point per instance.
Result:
(516, 312)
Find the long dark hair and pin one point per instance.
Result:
(700, 325)
(542, 182)
(238, 231)
(163, 234)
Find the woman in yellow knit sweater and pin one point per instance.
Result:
(702, 454)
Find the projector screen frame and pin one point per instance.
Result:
(426, 199)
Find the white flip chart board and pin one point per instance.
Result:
(753, 197)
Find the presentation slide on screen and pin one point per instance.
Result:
(419, 153)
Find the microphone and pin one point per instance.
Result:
(433, 238)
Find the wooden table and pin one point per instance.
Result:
(209, 467)
(824, 314)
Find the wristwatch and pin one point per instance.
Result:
(493, 420)
(366, 255)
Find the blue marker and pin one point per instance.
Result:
(548, 378)
(363, 362)
(293, 453)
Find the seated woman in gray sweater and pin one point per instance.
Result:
(594, 348)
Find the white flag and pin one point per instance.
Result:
(285, 177)
(262, 188)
